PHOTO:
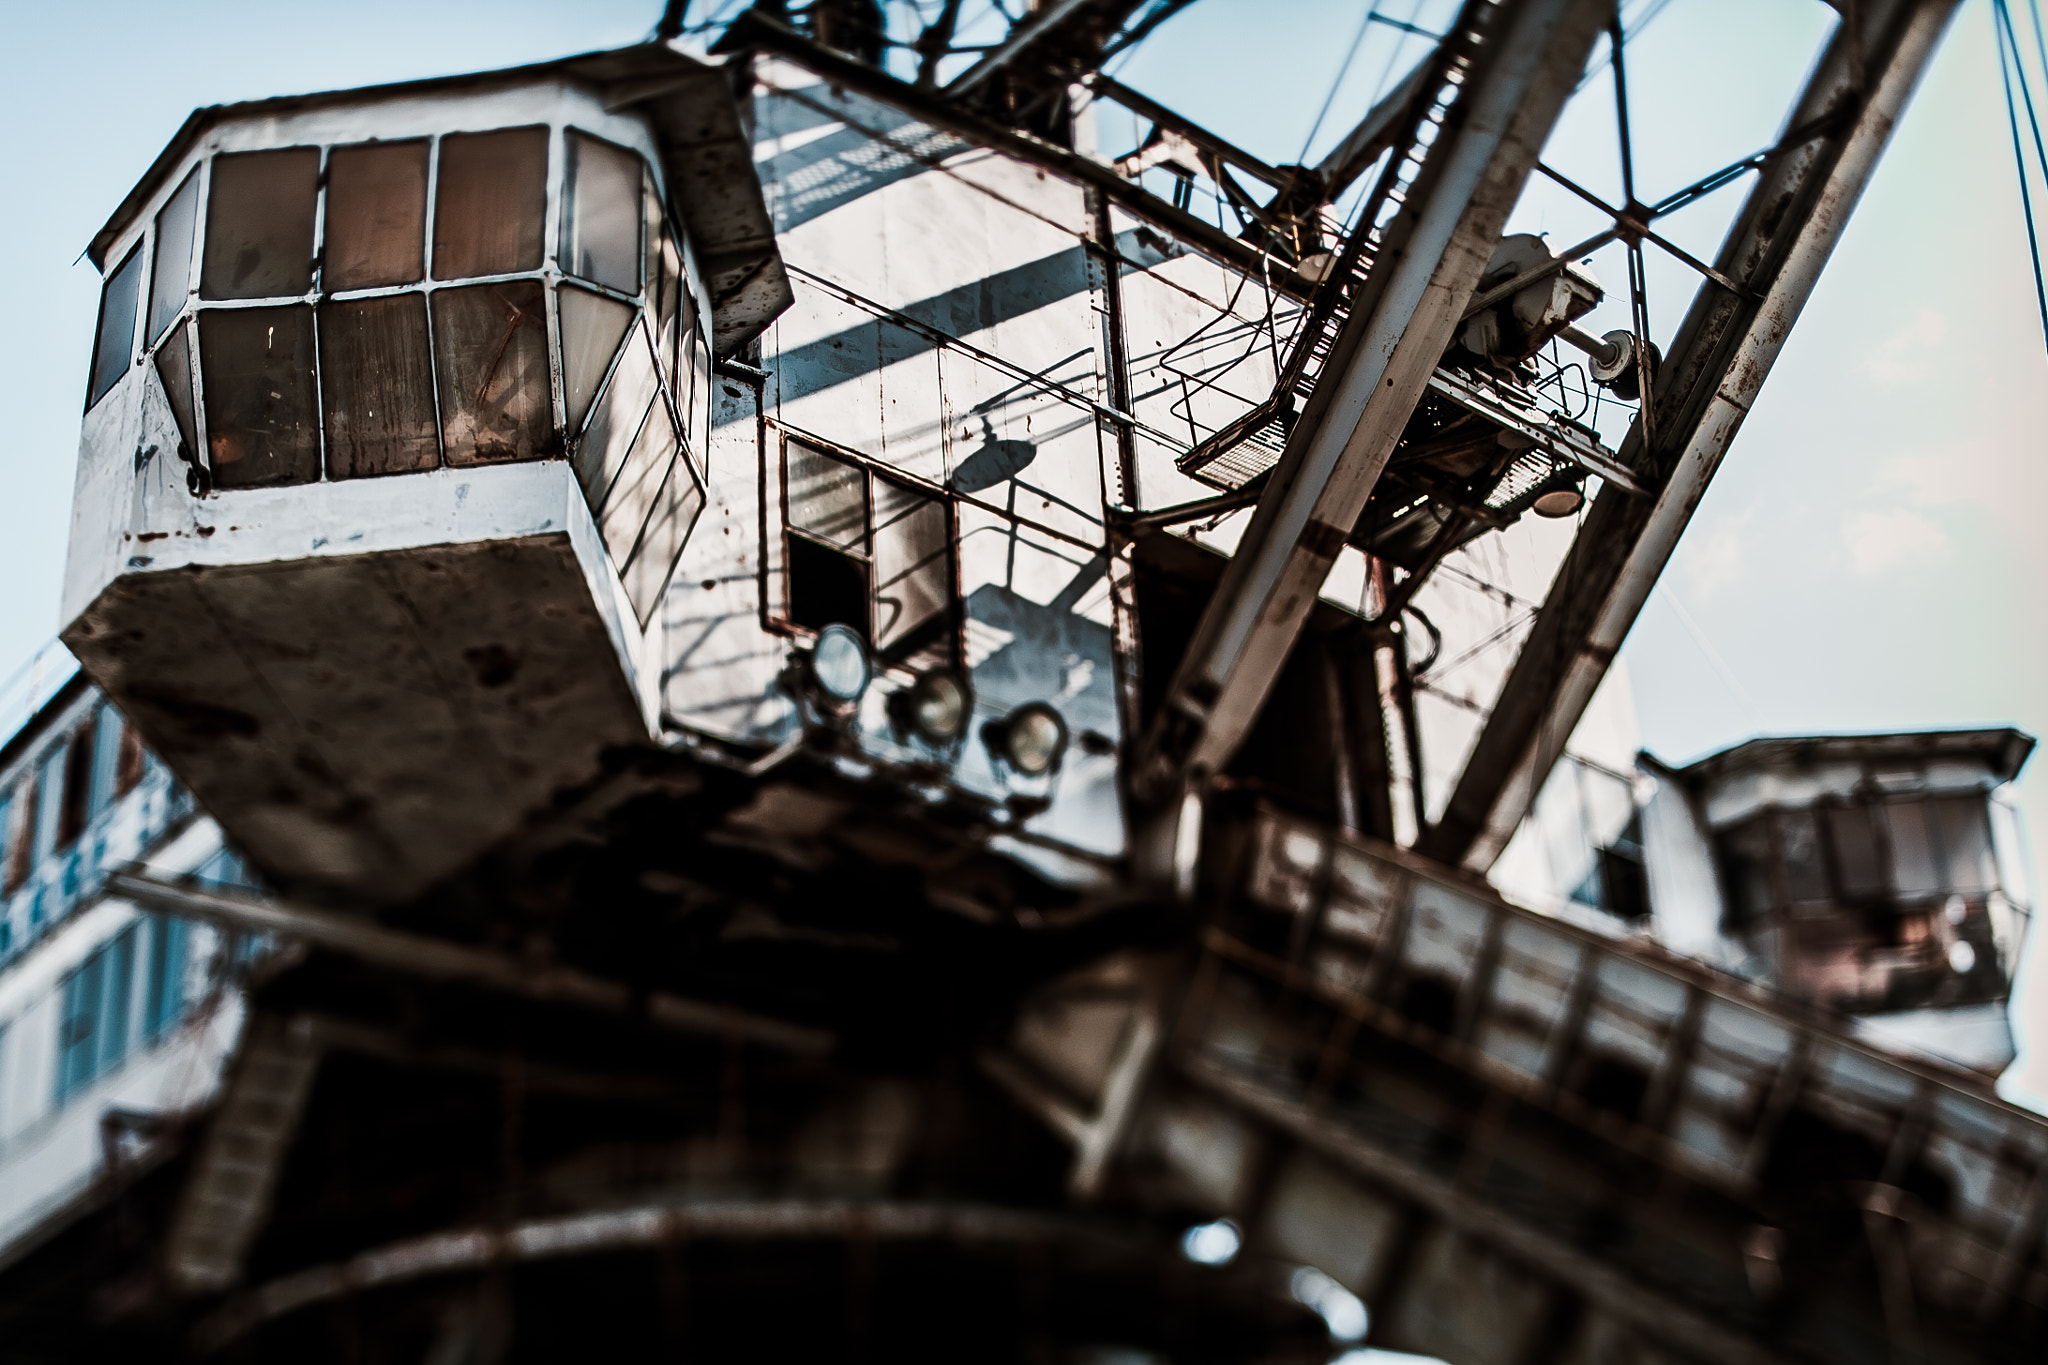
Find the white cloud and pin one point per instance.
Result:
(1901, 358)
(1880, 540)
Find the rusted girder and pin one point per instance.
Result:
(1527, 54)
(1724, 351)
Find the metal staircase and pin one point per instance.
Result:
(1250, 446)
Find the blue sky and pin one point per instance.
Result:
(1866, 558)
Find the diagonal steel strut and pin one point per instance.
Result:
(1529, 54)
(1774, 251)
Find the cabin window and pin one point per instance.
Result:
(1858, 858)
(491, 357)
(870, 551)
(592, 325)
(262, 426)
(376, 386)
(171, 277)
(602, 213)
(490, 202)
(347, 327)
(114, 343)
(174, 369)
(1965, 831)
(259, 225)
(1904, 851)
(376, 215)
(645, 544)
(616, 420)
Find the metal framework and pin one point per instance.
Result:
(1773, 255)
(1526, 57)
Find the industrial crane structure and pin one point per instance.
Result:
(757, 702)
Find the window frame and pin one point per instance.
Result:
(777, 615)
(136, 258)
(550, 274)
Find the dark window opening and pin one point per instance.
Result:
(1746, 872)
(114, 342)
(491, 354)
(128, 769)
(489, 203)
(1624, 883)
(171, 276)
(261, 423)
(76, 808)
(377, 387)
(826, 586)
(376, 215)
(259, 225)
(602, 213)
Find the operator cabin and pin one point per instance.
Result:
(395, 430)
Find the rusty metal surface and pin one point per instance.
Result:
(1636, 1140)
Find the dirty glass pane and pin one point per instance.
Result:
(171, 279)
(1859, 864)
(491, 359)
(377, 387)
(676, 509)
(376, 215)
(616, 420)
(632, 497)
(261, 423)
(667, 269)
(489, 202)
(1806, 875)
(1913, 869)
(913, 566)
(601, 213)
(827, 497)
(115, 342)
(592, 327)
(174, 371)
(259, 224)
(1966, 844)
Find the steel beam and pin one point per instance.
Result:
(1724, 351)
(1529, 55)
(438, 959)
